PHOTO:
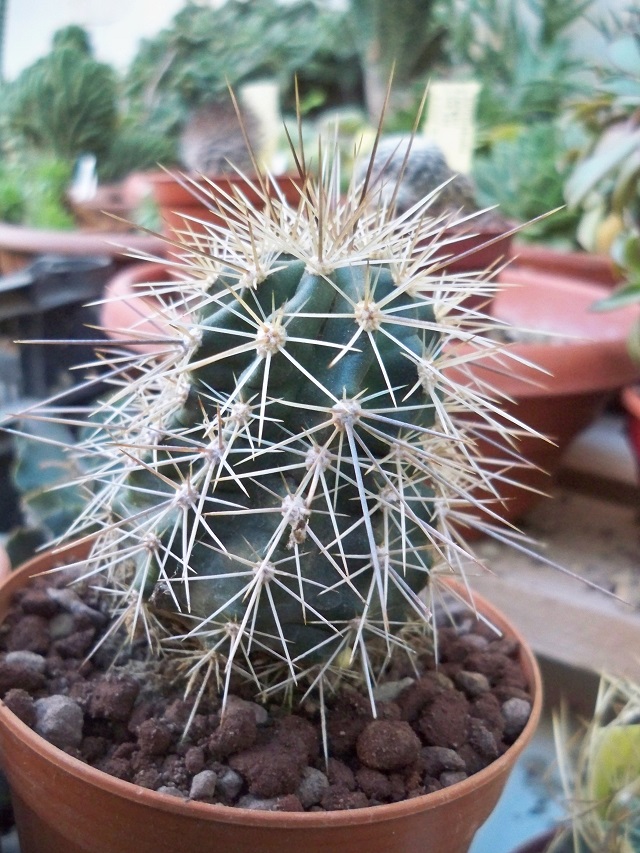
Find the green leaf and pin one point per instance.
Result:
(590, 172)
(615, 762)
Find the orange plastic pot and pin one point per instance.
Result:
(62, 805)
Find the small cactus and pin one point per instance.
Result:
(280, 472)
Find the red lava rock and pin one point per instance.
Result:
(388, 745)
(237, 731)
(36, 602)
(299, 734)
(339, 774)
(423, 691)
(288, 803)
(154, 737)
(75, 645)
(113, 698)
(30, 634)
(268, 771)
(376, 785)
(16, 676)
(21, 704)
(444, 721)
(339, 798)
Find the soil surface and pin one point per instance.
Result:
(127, 716)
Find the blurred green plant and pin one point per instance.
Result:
(601, 774)
(203, 51)
(525, 175)
(605, 184)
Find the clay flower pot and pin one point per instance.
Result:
(585, 266)
(62, 804)
(20, 245)
(631, 403)
(183, 201)
(581, 371)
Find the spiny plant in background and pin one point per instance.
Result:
(281, 470)
(600, 772)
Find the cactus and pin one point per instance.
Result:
(281, 470)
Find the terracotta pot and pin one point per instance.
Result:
(581, 373)
(62, 804)
(585, 266)
(20, 245)
(181, 201)
(127, 314)
(631, 403)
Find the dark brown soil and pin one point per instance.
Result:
(128, 717)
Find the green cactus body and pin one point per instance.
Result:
(278, 481)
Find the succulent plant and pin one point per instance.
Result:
(601, 773)
(281, 470)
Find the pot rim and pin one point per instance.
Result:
(285, 820)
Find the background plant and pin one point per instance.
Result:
(601, 772)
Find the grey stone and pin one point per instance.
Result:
(390, 690)
(59, 720)
(515, 713)
(27, 660)
(313, 785)
(203, 785)
(229, 784)
(257, 803)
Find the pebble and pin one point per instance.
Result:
(59, 720)
(258, 804)
(451, 777)
(390, 690)
(516, 713)
(203, 785)
(473, 683)
(229, 784)
(313, 785)
(171, 791)
(71, 601)
(29, 660)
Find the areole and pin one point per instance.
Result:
(62, 804)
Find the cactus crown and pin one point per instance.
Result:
(281, 470)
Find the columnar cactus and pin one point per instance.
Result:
(277, 476)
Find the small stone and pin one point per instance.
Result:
(388, 745)
(61, 626)
(171, 791)
(258, 804)
(71, 601)
(288, 803)
(20, 703)
(472, 683)
(312, 787)
(154, 737)
(31, 634)
(390, 690)
(482, 740)
(229, 784)
(516, 713)
(194, 760)
(339, 798)
(28, 660)
(59, 720)
(376, 785)
(444, 721)
(203, 785)
(451, 777)
(436, 759)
